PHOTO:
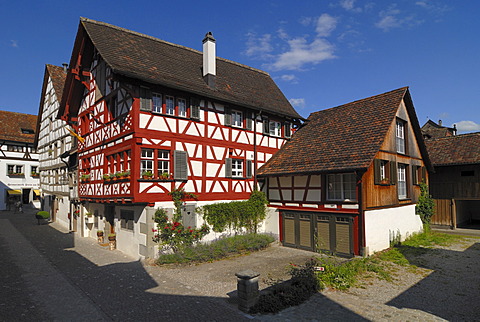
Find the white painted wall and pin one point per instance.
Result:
(381, 224)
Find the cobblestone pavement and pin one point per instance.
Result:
(52, 274)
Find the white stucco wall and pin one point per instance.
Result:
(381, 224)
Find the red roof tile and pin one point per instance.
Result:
(12, 123)
(454, 150)
(342, 138)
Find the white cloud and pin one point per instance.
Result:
(325, 25)
(347, 4)
(288, 78)
(14, 43)
(301, 53)
(297, 102)
(388, 22)
(467, 126)
(258, 45)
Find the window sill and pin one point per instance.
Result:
(16, 175)
(114, 181)
(156, 180)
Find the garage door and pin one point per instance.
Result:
(331, 233)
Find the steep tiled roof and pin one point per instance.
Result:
(342, 138)
(58, 79)
(454, 150)
(12, 123)
(155, 61)
(433, 130)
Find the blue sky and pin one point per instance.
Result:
(321, 53)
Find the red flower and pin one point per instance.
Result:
(191, 230)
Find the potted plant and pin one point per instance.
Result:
(112, 241)
(112, 177)
(85, 178)
(119, 175)
(126, 174)
(164, 176)
(147, 174)
(89, 218)
(76, 213)
(106, 177)
(35, 174)
(100, 236)
(42, 216)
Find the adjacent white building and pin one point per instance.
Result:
(19, 179)
(54, 143)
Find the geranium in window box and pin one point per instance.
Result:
(126, 174)
(35, 174)
(17, 174)
(164, 176)
(106, 177)
(84, 178)
(147, 175)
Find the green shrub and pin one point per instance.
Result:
(218, 249)
(43, 214)
(425, 206)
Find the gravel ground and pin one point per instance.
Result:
(445, 286)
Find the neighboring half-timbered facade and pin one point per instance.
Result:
(348, 181)
(54, 143)
(19, 172)
(170, 117)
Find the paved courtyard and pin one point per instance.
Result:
(50, 274)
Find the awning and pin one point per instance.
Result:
(36, 191)
(14, 192)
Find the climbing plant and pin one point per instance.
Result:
(425, 206)
(179, 195)
(237, 214)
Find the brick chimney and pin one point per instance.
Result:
(209, 59)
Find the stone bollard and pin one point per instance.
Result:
(247, 288)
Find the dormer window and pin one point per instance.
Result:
(27, 131)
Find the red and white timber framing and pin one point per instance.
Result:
(116, 130)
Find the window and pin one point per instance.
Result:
(275, 128)
(182, 107)
(400, 136)
(170, 106)
(402, 181)
(163, 164)
(27, 131)
(382, 172)
(468, 173)
(288, 129)
(146, 162)
(34, 170)
(237, 168)
(10, 169)
(341, 186)
(126, 219)
(237, 118)
(157, 103)
(419, 174)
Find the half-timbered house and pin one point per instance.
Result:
(19, 175)
(455, 183)
(53, 142)
(156, 116)
(348, 181)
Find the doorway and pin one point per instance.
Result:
(109, 219)
(26, 195)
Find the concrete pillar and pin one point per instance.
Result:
(247, 287)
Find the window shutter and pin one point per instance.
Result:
(194, 108)
(393, 172)
(181, 166)
(228, 116)
(415, 172)
(228, 168)
(266, 126)
(145, 100)
(248, 170)
(376, 170)
(424, 174)
(288, 129)
(249, 121)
